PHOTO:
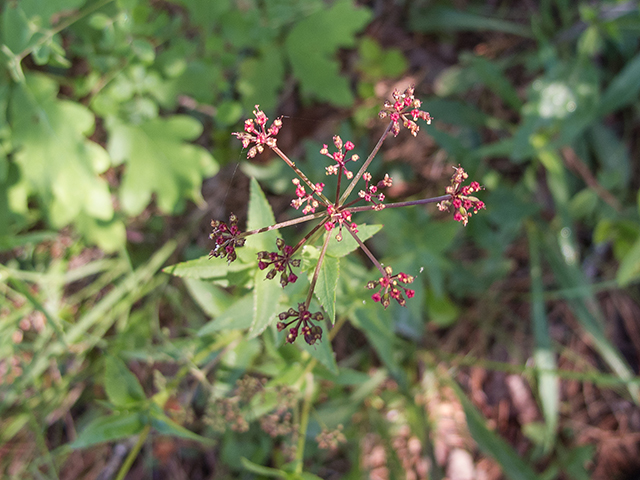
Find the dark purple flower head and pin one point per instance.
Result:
(281, 262)
(304, 325)
(227, 238)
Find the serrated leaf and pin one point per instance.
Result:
(160, 161)
(109, 428)
(260, 215)
(312, 45)
(58, 162)
(348, 244)
(266, 296)
(326, 285)
(121, 386)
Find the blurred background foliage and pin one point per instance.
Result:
(519, 355)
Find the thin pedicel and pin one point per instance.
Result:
(403, 111)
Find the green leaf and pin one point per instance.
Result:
(548, 383)
(260, 215)
(160, 162)
(495, 80)
(211, 298)
(445, 19)
(264, 471)
(144, 51)
(326, 285)
(122, 387)
(266, 296)
(588, 314)
(312, 46)
(56, 159)
(204, 268)
(108, 428)
(379, 332)
(348, 244)
(16, 31)
(376, 63)
(165, 426)
(43, 11)
(321, 351)
(629, 266)
(261, 78)
(623, 89)
(237, 316)
(442, 311)
(512, 465)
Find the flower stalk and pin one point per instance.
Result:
(403, 111)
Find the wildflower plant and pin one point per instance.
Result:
(336, 217)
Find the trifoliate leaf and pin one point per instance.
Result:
(159, 160)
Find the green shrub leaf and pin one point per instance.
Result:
(122, 387)
(160, 162)
(312, 45)
(109, 428)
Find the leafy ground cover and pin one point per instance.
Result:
(128, 353)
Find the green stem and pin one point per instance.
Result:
(304, 423)
(124, 469)
(317, 270)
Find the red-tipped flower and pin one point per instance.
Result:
(464, 204)
(304, 197)
(391, 287)
(340, 157)
(256, 131)
(405, 108)
(371, 193)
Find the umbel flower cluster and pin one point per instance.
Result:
(403, 111)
